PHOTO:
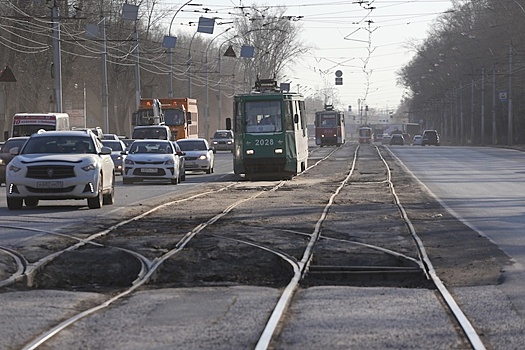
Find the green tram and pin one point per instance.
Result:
(270, 134)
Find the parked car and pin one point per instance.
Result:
(385, 140)
(397, 139)
(416, 141)
(222, 141)
(430, 137)
(6, 156)
(182, 158)
(152, 160)
(61, 165)
(117, 149)
(199, 155)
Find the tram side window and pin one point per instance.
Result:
(237, 126)
(289, 116)
(302, 111)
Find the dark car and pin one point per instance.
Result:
(222, 141)
(127, 142)
(6, 157)
(117, 147)
(430, 137)
(397, 139)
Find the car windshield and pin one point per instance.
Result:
(114, 145)
(150, 133)
(12, 144)
(196, 145)
(222, 135)
(150, 147)
(59, 144)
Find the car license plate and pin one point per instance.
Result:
(50, 184)
(190, 163)
(148, 170)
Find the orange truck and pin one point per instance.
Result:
(179, 114)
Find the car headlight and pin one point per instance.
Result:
(202, 157)
(169, 162)
(14, 168)
(129, 162)
(215, 142)
(2, 162)
(89, 167)
(230, 142)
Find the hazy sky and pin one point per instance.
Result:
(367, 41)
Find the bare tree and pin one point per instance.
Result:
(274, 36)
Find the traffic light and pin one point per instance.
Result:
(338, 77)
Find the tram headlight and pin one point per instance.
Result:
(250, 151)
(278, 151)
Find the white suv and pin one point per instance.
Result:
(61, 165)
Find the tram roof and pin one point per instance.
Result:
(274, 94)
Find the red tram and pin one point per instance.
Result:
(329, 127)
(365, 134)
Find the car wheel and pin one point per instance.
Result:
(208, 171)
(126, 181)
(31, 202)
(96, 202)
(109, 198)
(183, 176)
(14, 203)
(174, 181)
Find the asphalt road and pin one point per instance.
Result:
(52, 215)
(485, 188)
(483, 181)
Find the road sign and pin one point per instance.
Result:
(6, 75)
(503, 96)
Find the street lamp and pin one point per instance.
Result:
(169, 42)
(207, 111)
(206, 25)
(130, 13)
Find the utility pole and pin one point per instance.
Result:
(493, 104)
(482, 107)
(105, 108)
(510, 121)
(57, 61)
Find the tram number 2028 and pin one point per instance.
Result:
(263, 142)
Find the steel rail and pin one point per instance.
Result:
(21, 264)
(40, 340)
(291, 288)
(464, 323)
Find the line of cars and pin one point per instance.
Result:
(429, 137)
(81, 165)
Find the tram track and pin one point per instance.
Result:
(299, 262)
(148, 266)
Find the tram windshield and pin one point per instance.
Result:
(263, 116)
(365, 132)
(328, 120)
